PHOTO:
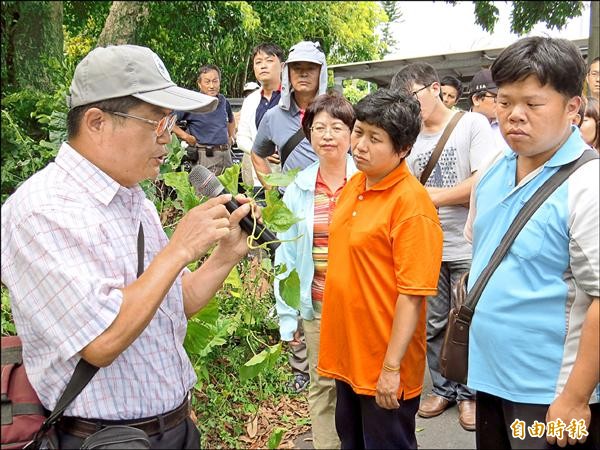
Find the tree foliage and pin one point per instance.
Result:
(527, 14)
(394, 14)
(187, 34)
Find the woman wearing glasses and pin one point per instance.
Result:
(312, 196)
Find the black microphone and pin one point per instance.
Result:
(207, 184)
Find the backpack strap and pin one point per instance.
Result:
(439, 147)
(287, 148)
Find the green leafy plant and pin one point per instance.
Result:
(7, 325)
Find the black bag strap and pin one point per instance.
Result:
(140, 249)
(292, 142)
(84, 371)
(536, 200)
(439, 147)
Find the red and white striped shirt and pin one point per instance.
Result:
(69, 245)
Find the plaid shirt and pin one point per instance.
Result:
(69, 245)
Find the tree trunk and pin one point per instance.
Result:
(594, 39)
(122, 22)
(32, 33)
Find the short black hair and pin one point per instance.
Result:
(270, 49)
(420, 73)
(395, 111)
(449, 80)
(118, 104)
(333, 104)
(207, 68)
(556, 62)
(595, 60)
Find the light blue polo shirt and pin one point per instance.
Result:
(276, 127)
(525, 332)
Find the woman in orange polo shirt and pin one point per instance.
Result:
(385, 251)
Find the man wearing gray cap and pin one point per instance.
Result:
(304, 77)
(76, 237)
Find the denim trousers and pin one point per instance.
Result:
(438, 308)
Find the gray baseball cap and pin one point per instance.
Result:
(122, 70)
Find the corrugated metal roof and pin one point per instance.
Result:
(462, 65)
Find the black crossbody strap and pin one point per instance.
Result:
(290, 145)
(536, 200)
(84, 371)
(439, 147)
(140, 249)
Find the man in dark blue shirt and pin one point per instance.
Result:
(211, 134)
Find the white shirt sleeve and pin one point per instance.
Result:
(247, 126)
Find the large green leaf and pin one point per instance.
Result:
(289, 289)
(198, 337)
(202, 337)
(254, 366)
(234, 279)
(276, 215)
(263, 361)
(185, 191)
(281, 178)
(230, 178)
(209, 314)
(275, 438)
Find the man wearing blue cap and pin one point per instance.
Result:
(76, 237)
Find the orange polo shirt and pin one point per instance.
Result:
(383, 241)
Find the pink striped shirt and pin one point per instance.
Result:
(69, 245)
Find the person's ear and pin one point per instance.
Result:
(572, 107)
(475, 100)
(94, 121)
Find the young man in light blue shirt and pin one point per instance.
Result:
(533, 355)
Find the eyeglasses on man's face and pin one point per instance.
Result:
(492, 96)
(421, 89)
(167, 123)
(336, 130)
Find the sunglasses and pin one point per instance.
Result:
(165, 124)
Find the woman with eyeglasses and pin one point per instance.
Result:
(313, 195)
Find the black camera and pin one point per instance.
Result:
(191, 154)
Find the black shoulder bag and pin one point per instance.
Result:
(454, 356)
(290, 145)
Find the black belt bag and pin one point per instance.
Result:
(117, 437)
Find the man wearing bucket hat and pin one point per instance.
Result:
(304, 77)
(72, 237)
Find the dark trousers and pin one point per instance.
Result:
(184, 436)
(495, 416)
(438, 308)
(361, 423)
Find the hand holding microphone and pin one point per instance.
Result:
(206, 184)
